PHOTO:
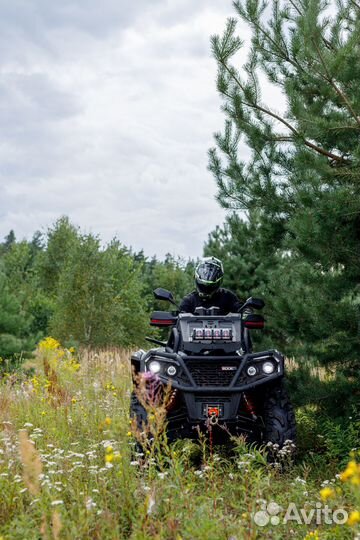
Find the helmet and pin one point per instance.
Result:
(208, 276)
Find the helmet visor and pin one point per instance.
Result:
(209, 273)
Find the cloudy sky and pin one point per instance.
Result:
(107, 111)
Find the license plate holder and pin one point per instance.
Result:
(213, 409)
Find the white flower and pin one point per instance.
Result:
(151, 504)
(27, 424)
(90, 503)
(134, 463)
(300, 480)
(57, 503)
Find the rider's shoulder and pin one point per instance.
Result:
(226, 292)
(189, 297)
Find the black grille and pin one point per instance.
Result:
(212, 372)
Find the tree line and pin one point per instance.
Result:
(65, 283)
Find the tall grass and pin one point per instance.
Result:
(69, 466)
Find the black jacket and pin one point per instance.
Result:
(226, 300)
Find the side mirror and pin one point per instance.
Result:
(254, 321)
(163, 294)
(256, 303)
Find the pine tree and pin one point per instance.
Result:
(301, 179)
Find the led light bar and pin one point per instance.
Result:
(212, 334)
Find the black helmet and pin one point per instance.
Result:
(208, 276)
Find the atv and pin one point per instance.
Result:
(213, 377)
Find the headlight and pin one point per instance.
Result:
(268, 368)
(251, 371)
(171, 371)
(154, 366)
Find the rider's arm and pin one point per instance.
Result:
(234, 302)
(186, 304)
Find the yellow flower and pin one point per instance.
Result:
(326, 493)
(43, 413)
(49, 344)
(109, 450)
(354, 518)
(351, 470)
(73, 400)
(312, 535)
(109, 458)
(129, 433)
(117, 457)
(108, 421)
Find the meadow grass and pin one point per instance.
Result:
(69, 466)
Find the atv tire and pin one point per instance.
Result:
(278, 416)
(137, 411)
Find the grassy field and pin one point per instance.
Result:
(69, 467)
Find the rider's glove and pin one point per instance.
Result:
(248, 311)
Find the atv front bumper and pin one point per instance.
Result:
(215, 383)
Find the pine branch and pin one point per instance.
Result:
(273, 115)
(283, 55)
(355, 4)
(331, 81)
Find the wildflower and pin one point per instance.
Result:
(74, 400)
(326, 493)
(312, 535)
(150, 504)
(57, 503)
(49, 344)
(90, 503)
(109, 450)
(351, 470)
(108, 421)
(109, 458)
(354, 518)
(129, 433)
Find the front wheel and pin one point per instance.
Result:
(137, 411)
(278, 417)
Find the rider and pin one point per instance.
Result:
(209, 274)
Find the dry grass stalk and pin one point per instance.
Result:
(111, 361)
(56, 525)
(32, 466)
(59, 395)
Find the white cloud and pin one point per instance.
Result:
(108, 111)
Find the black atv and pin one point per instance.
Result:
(213, 377)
